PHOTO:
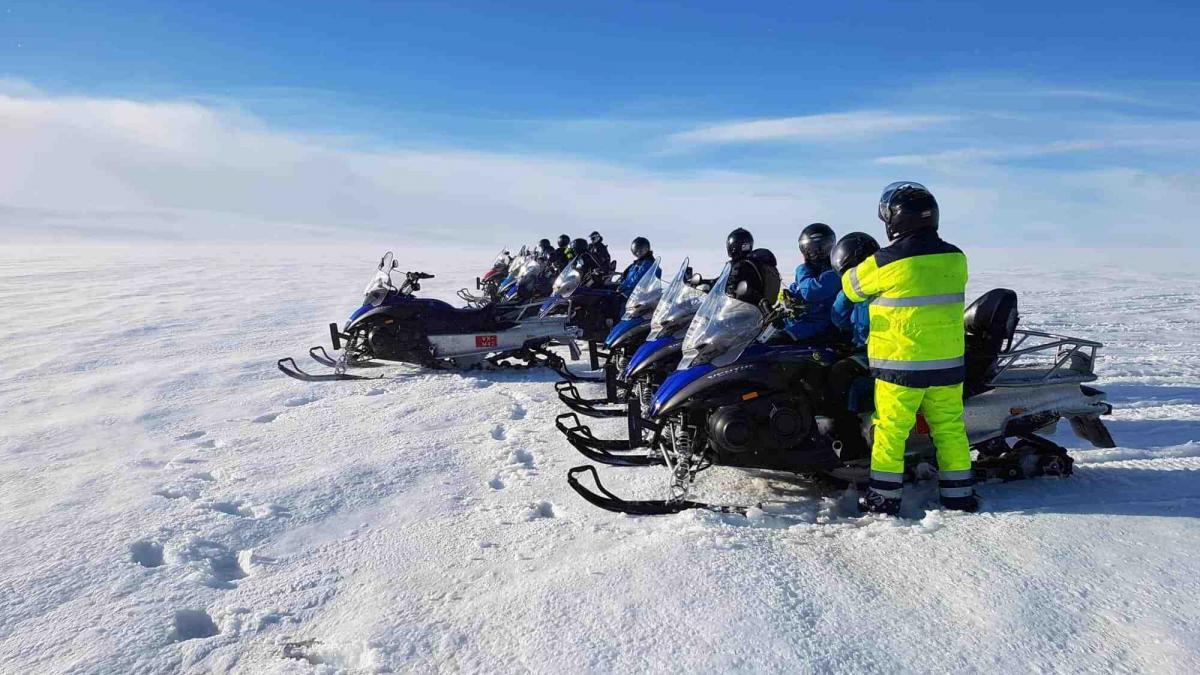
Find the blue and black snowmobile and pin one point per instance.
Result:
(619, 345)
(741, 402)
(392, 324)
(591, 305)
(640, 375)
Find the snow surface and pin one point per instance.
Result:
(171, 502)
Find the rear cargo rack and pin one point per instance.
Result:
(1074, 360)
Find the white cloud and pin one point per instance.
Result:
(92, 167)
(828, 127)
(63, 158)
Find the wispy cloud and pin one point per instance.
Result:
(827, 127)
(87, 165)
(971, 155)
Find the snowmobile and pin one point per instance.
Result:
(625, 337)
(645, 370)
(593, 310)
(738, 402)
(488, 286)
(394, 325)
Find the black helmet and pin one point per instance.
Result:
(851, 250)
(907, 207)
(739, 243)
(563, 241)
(816, 242)
(579, 246)
(639, 247)
(595, 237)
(545, 245)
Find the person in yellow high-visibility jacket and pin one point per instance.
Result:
(917, 286)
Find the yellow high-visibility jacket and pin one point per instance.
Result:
(919, 285)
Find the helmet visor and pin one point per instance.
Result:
(888, 192)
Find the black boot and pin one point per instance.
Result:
(874, 502)
(968, 503)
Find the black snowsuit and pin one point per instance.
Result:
(754, 279)
(599, 252)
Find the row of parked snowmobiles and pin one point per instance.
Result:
(698, 381)
(514, 320)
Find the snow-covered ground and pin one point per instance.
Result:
(169, 501)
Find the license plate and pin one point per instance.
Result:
(484, 341)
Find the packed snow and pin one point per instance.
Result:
(171, 502)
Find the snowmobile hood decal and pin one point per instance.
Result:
(675, 382)
(623, 327)
(359, 312)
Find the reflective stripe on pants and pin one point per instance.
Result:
(896, 409)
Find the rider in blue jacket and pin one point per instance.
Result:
(643, 258)
(850, 383)
(852, 320)
(811, 297)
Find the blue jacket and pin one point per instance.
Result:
(852, 319)
(818, 292)
(633, 274)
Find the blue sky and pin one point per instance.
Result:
(993, 100)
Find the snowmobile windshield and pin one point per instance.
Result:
(722, 328)
(381, 281)
(677, 306)
(646, 295)
(503, 259)
(531, 269)
(568, 280)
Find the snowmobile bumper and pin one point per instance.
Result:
(643, 507)
(614, 453)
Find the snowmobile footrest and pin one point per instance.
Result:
(570, 396)
(599, 450)
(288, 367)
(645, 507)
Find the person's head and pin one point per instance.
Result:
(595, 238)
(563, 241)
(906, 207)
(640, 247)
(579, 246)
(544, 246)
(851, 250)
(816, 242)
(739, 243)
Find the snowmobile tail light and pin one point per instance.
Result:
(750, 396)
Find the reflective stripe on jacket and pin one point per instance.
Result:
(917, 286)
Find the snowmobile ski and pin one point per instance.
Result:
(637, 507)
(592, 407)
(580, 437)
(288, 366)
(325, 359)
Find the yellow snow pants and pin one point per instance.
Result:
(896, 409)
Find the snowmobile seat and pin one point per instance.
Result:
(475, 319)
(990, 322)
